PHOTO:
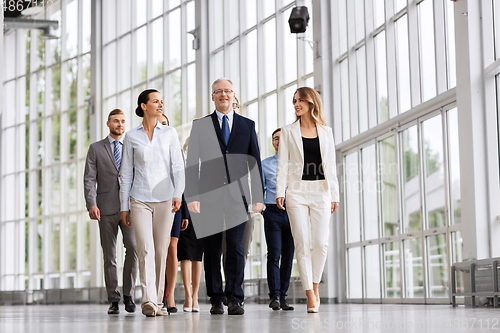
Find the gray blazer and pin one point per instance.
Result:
(101, 170)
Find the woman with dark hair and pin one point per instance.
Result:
(151, 186)
(307, 170)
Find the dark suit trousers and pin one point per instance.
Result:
(235, 263)
(279, 243)
(108, 228)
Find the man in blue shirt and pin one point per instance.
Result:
(278, 235)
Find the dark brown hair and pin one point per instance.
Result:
(143, 98)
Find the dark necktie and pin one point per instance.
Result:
(225, 129)
(118, 156)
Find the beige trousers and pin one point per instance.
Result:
(152, 223)
(309, 199)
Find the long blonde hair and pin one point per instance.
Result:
(315, 107)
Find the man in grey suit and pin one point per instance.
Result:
(102, 190)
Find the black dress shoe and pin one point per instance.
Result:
(129, 304)
(217, 308)
(234, 307)
(113, 308)
(275, 303)
(171, 309)
(284, 305)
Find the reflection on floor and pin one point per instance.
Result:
(258, 318)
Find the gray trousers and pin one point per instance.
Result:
(108, 227)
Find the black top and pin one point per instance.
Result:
(313, 168)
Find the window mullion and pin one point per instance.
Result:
(414, 54)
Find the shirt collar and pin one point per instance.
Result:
(220, 115)
(158, 125)
(112, 140)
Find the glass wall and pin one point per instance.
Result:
(402, 188)
(44, 217)
(148, 44)
(491, 42)
(409, 186)
(392, 55)
(45, 135)
(145, 44)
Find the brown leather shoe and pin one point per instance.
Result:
(149, 309)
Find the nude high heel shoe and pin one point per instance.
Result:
(315, 308)
(195, 309)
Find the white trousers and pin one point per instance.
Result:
(152, 223)
(309, 199)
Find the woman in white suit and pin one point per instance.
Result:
(151, 186)
(307, 172)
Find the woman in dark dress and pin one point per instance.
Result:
(190, 254)
(172, 263)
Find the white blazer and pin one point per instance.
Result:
(291, 159)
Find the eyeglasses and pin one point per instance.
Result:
(276, 138)
(236, 106)
(220, 91)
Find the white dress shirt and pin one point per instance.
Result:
(230, 117)
(112, 141)
(151, 171)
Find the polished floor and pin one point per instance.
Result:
(258, 318)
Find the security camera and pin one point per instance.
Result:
(299, 18)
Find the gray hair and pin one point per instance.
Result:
(222, 79)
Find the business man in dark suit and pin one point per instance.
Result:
(102, 190)
(223, 150)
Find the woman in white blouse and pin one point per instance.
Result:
(151, 186)
(307, 171)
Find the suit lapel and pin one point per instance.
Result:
(236, 124)
(295, 130)
(217, 128)
(107, 146)
(322, 141)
